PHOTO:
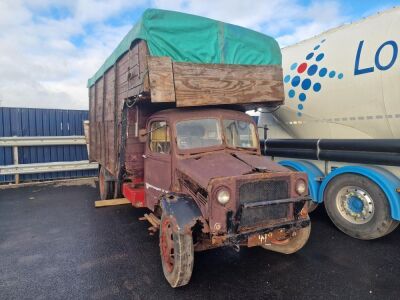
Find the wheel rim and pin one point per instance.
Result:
(355, 205)
(167, 245)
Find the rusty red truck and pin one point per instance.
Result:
(169, 130)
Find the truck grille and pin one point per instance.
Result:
(263, 190)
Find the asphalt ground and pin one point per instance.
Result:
(55, 245)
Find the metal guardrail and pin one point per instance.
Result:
(17, 169)
(41, 141)
(47, 167)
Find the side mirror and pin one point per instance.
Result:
(142, 135)
(265, 132)
(265, 127)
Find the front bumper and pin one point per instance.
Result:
(286, 215)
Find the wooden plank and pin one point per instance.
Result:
(161, 79)
(216, 84)
(119, 201)
(143, 66)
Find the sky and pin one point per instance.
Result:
(48, 49)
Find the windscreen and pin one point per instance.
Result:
(200, 133)
(240, 134)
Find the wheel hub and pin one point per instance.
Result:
(355, 205)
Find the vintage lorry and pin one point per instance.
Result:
(168, 128)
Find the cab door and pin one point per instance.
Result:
(157, 161)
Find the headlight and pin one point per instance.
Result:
(223, 196)
(300, 186)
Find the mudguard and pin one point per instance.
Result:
(388, 182)
(183, 209)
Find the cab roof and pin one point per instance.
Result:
(178, 114)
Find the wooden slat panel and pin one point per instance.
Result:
(161, 79)
(99, 99)
(92, 120)
(144, 75)
(109, 95)
(214, 84)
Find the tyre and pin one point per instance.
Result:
(358, 207)
(294, 244)
(106, 187)
(177, 253)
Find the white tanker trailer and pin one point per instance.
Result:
(341, 122)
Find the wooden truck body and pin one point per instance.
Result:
(173, 137)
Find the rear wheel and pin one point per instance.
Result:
(177, 253)
(358, 207)
(293, 244)
(106, 187)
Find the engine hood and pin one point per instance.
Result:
(214, 165)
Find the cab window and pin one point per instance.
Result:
(201, 133)
(240, 134)
(159, 139)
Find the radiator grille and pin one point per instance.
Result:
(256, 215)
(263, 190)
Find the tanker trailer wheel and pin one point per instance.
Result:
(177, 253)
(358, 207)
(106, 186)
(293, 244)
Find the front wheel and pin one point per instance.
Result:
(358, 207)
(293, 244)
(177, 253)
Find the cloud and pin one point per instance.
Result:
(40, 66)
(50, 48)
(287, 20)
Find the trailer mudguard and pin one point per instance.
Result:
(183, 209)
(314, 175)
(388, 182)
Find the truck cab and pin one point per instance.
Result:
(207, 185)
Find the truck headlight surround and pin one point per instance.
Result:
(223, 195)
(300, 186)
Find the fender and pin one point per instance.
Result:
(314, 174)
(388, 182)
(183, 209)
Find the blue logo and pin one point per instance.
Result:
(303, 78)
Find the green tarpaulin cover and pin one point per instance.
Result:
(189, 38)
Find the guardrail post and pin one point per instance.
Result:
(16, 162)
